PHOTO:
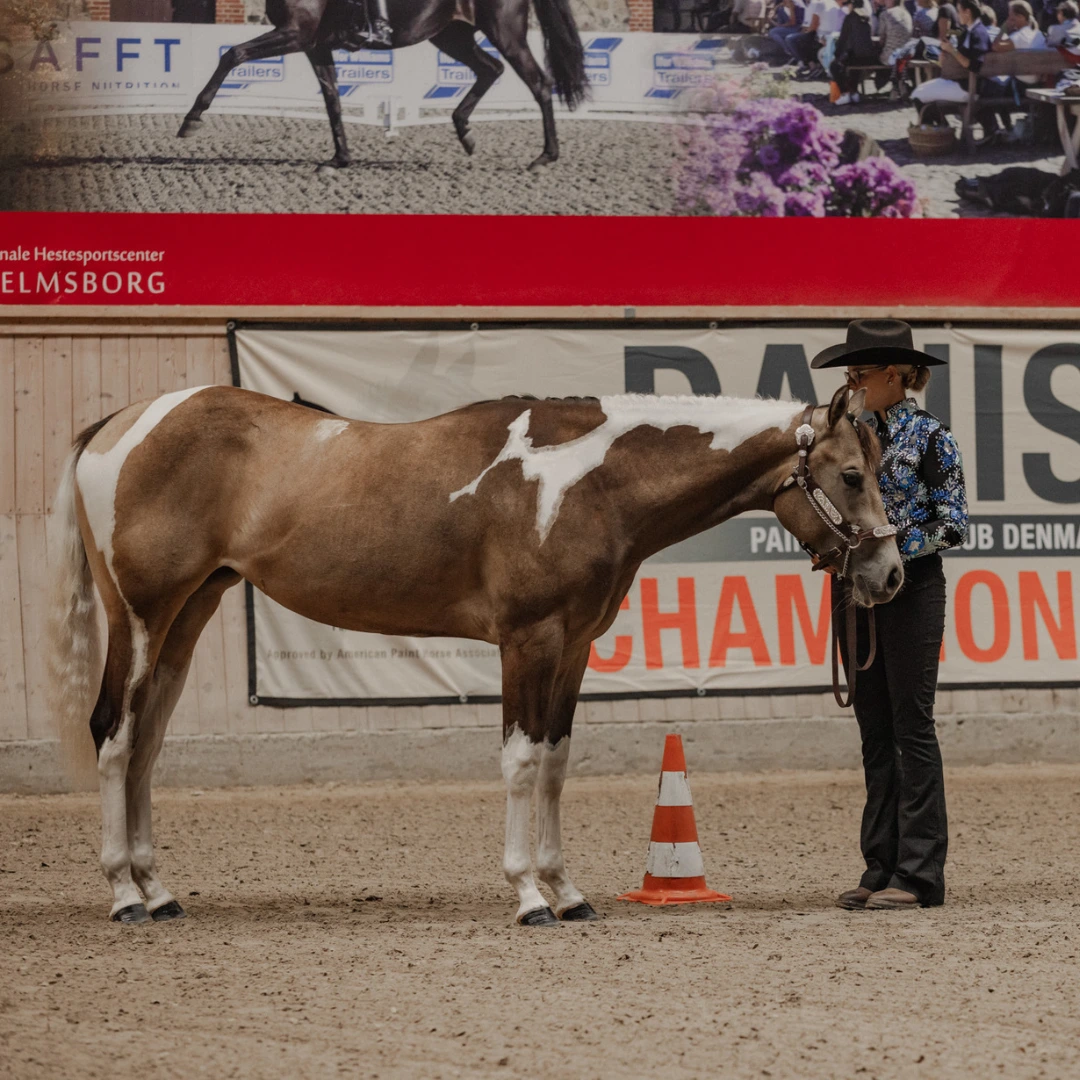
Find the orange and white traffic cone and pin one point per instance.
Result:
(674, 873)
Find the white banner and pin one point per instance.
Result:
(736, 608)
(160, 67)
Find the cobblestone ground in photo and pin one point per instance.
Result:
(367, 932)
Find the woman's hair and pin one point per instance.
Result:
(988, 15)
(974, 8)
(1069, 9)
(913, 376)
(1022, 7)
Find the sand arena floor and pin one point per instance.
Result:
(367, 932)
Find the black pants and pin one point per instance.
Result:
(904, 828)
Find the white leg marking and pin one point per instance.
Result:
(550, 865)
(113, 761)
(730, 421)
(520, 766)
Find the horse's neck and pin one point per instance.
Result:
(695, 482)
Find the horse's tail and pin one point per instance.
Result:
(74, 649)
(565, 54)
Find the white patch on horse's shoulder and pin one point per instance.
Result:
(730, 421)
(97, 475)
(327, 429)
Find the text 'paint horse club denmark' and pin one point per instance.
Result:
(517, 522)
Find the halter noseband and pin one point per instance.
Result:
(848, 533)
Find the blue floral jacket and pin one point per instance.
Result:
(922, 480)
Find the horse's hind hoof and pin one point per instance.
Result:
(468, 141)
(582, 912)
(334, 164)
(189, 128)
(168, 912)
(544, 159)
(541, 916)
(132, 915)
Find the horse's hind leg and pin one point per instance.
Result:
(114, 724)
(511, 42)
(171, 670)
(276, 42)
(322, 62)
(459, 41)
(550, 865)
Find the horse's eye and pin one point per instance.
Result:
(853, 479)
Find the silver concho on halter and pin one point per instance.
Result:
(804, 435)
(826, 504)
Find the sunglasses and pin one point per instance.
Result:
(855, 376)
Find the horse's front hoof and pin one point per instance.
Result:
(541, 916)
(132, 915)
(544, 159)
(168, 912)
(188, 128)
(582, 912)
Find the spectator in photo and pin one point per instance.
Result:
(990, 21)
(744, 15)
(803, 47)
(829, 27)
(1021, 32)
(894, 30)
(789, 20)
(924, 23)
(1068, 24)
(948, 21)
(974, 45)
(854, 47)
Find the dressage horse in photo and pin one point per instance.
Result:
(317, 27)
(517, 522)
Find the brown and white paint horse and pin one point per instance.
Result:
(517, 522)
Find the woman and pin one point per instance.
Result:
(904, 829)
(854, 48)
(969, 53)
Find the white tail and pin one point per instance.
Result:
(75, 654)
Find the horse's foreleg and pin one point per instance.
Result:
(459, 41)
(322, 61)
(170, 673)
(530, 667)
(550, 864)
(518, 55)
(277, 42)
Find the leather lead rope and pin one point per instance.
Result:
(852, 667)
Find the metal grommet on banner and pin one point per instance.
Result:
(701, 691)
(253, 699)
(713, 325)
(463, 698)
(230, 326)
(474, 326)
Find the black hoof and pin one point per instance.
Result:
(132, 915)
(189, 128)
(169, 911)
(333, 164)
(541, 916)
(544, 159)
(582, 912)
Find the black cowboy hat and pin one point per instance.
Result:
(875, 341)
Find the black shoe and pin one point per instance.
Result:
(853, 899)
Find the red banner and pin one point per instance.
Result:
(265, 260)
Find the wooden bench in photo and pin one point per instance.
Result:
(867, 71)
(923, 70)
(1065, 105)
(1017, 62)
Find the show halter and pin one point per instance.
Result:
(850, 536)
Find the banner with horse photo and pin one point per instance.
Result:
(372, 129)
(737, 608)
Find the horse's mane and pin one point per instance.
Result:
(870, 445)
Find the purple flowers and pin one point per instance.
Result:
(776, 158)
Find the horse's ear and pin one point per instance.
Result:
(838, 407)
(857, 405)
